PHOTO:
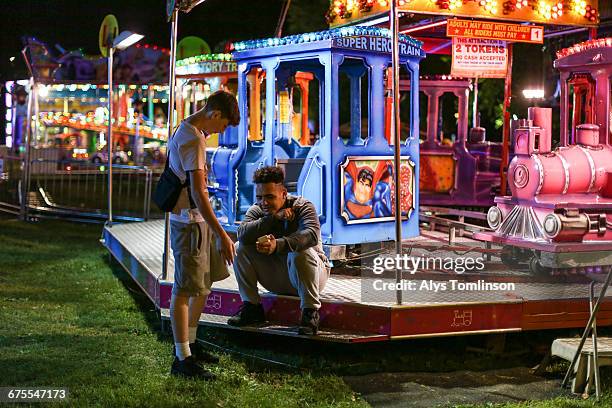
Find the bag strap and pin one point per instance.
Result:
(187, 182)
(187, 185)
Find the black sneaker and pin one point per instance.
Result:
(248, 314)
(200, 354)
(190, 368)
(309, 325)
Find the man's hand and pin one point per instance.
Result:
(266, 247)
(227, 248)
(285, 214)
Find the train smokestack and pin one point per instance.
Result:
(542, 118)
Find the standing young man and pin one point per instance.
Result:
(280, 247)
(193, 226)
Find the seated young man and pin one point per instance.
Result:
(280, 247)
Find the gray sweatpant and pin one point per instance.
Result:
(297, 273)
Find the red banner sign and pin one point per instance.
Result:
(495, 31)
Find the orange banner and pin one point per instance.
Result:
(489, 30)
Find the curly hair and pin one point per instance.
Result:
(269, 174)
(225, 103)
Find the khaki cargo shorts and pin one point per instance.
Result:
(191, 246)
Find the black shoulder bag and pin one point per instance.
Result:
(168, 188)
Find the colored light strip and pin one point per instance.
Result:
(323, 35)
(595, 43)
(202, 58)
(542, 10)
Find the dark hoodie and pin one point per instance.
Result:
(291, 236)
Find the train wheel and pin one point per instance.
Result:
(536, 268)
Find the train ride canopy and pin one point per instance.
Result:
(549, 12)
(346, 171)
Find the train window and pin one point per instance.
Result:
(353, 106)
(405, 106)
(423, 109)
(314, 110)
(448, 116)
(304, 130)
(260, 103)
(581, 91)
(256, 96)
(405, 102)
(536, 142)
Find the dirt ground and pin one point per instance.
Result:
(390, 390)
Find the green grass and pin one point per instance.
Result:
(68, 319)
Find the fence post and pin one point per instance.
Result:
(25, 176)
(147, 198)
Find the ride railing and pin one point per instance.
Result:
(11, 173)
(79, 190)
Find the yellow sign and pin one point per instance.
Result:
(559, 12)
(108, 31)
(284, 106)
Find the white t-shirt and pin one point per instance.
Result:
(186, 152)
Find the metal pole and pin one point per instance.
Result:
(25, 176)
(475, 121)
(35, 110)
(171, 97)
(587, 329)
(109, 138)
(594, 339)
(395, 132)
(281, 20)
(506, 130)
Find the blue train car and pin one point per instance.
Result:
(344, 163)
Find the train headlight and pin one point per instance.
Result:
(552, 225)
(494, 217)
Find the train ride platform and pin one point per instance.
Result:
(348, 314)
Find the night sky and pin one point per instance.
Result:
(75, 24)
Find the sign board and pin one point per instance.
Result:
(376, 44)
(477, 58)
(207, 67)
(108, 31)
(491, 30)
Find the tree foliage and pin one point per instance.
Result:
(305, 16)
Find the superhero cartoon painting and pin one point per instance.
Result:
(367, 189)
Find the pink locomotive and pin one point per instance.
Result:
(559, 216)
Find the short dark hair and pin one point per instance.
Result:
(225, 103)
(365, 174)
(269, 174)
